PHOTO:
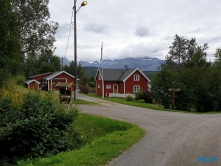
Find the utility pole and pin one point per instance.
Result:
(75, 45)
(75, 50)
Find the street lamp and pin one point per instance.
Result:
(75, 45)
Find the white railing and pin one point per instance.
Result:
(120, 95)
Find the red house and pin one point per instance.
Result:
(50, 79)
(120, 81)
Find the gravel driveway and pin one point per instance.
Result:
(172, 139)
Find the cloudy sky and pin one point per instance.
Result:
(129, 28)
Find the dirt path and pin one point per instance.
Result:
(172, 139)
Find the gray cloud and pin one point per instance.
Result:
(142, 31)
(130, 25)
(196, 30)
(97, 28)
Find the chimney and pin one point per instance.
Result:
(125, 68)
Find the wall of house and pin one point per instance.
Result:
(34, 85)
(121, 87)
(98, 85)
(61, 78)
(130, 83)
(109, 87)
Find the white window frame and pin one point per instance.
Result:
(136, 77)
(136, 88)
(98, 86)
(108, 86)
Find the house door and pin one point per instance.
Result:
(115, 88)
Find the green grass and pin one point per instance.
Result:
(136, 103)
(104, 140)
(141, 103)
(93, 95)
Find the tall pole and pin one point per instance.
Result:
(75, 51)
(102, 71)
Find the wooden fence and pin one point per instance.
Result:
(120, 95)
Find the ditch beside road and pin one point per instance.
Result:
(172, 139)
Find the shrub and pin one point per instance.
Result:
(84, 89)
(148, 97)
(139, 95)
(35, 126)
(20, 80)
(129, 97)
(91, 84)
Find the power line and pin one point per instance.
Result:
(69, 34)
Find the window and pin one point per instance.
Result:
(136, 77)
(108, 86)
(98, 86)
(136, 88)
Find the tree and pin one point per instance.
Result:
(83, 79)
(217, 55)
(36, 30)
(178, 51)
(198, 80)
(10, 57)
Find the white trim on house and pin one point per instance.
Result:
(124, 87)
(56, 74)
(30, 81)
(140, 73)
(117, 87)
(108, 86)
(136, 88)
(136, 77)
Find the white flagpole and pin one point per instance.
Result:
(102, 70)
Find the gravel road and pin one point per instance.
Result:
(172, 139)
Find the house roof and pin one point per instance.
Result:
(56, 74)
(40, 75)
(111, 74)
(119, 74)
(30, 81)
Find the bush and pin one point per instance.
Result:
(129, 97)
(32, 126)
(91, 84)
(139, 95)
(20, 80)
(148, 97)
(84, 89)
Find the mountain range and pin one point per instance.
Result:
(144, 64)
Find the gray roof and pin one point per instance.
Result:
(57, 73)
(126, 74)
(39, 75)
(115, 74)
(30, 81)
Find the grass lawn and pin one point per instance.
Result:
(137, 103)
(104, 139)
(141, 103)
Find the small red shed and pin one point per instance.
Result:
(32, 84)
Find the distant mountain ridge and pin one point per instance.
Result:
(144, 64)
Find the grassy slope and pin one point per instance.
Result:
(105, 138)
